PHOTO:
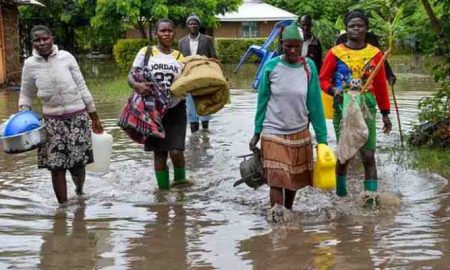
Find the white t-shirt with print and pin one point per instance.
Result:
(164, 68)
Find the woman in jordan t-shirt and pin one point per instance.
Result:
(165, 66)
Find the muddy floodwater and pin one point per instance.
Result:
(124, 222)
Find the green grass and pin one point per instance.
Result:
(433, 160)
(114, 87)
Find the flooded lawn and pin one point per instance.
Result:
(124, 222)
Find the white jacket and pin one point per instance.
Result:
(58, 82)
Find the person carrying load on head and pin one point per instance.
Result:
(349, 66)
(196, 43)
(285, 107)
(55, 77)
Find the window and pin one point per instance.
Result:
(250, 29)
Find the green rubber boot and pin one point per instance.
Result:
(180, 177)
(341, 185)
(371, 185)
(162, 178)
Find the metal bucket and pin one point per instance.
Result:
(23, 142)
(252, 171)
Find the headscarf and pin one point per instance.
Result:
(292, 32)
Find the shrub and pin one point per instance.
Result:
(125, 50)
(229, 50)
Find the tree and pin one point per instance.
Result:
(318, 10)
(63, 17)
(142, 14)
(436, 108)
(390, 19)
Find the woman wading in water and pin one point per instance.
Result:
(56, 77)
(288, 100)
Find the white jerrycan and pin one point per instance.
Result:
(102, 148)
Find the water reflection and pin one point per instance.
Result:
(69, 238)
(292, 249)
(197, 147)
(163, 242)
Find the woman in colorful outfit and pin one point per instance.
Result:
(356, 59)
(67, 102)
(288, 99)
(165, 66)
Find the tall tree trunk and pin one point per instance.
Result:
(435, 23)
(150, 28)
(141, 28)
(71, 39)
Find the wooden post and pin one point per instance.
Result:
(2, 50)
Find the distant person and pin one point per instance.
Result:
(311, 45)
(372, 39)
(55, 77)
(196, 43)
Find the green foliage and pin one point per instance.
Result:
(436, 107)
(326, 32)
(388, 19)
(230, 50)
(142, 14)
(96, 24)
(432, 159)
(63, 17)
(329, 10)
(125, 51)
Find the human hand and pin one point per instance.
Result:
(97, 126)
(141, 88)
(254, 141)
(337, 96)
(24, 108)
(387, 127)
(392, 79)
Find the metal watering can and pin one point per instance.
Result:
(252, 171)
(262, 52)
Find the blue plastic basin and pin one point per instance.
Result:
(21, 122)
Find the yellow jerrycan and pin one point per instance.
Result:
(324, 175)
(327, 102)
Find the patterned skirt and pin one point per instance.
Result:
(288, 159)
(68, 144)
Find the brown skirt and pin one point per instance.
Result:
(288, 160)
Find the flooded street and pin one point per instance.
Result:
(124, 222)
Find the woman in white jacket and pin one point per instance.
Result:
(54, 75)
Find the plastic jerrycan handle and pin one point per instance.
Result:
(325, 155)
